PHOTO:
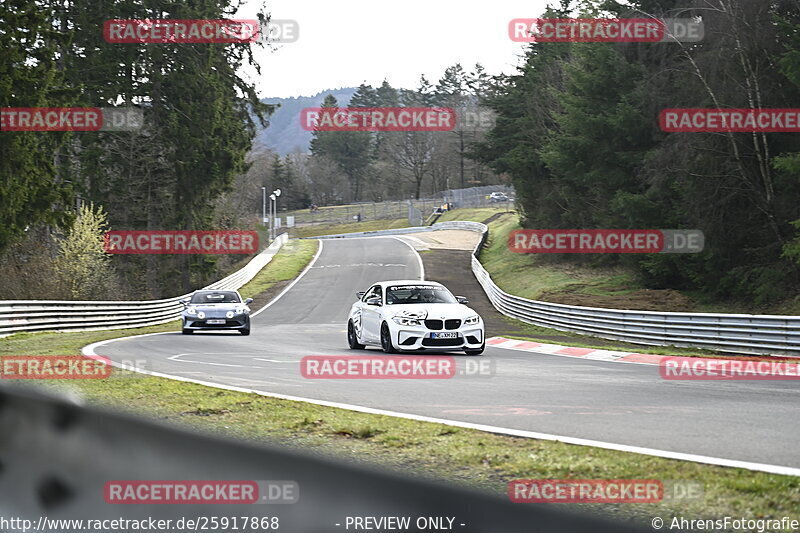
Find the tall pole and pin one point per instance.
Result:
(263, 205)
(271, 219)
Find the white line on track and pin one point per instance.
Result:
(416, 253)
(177, 359)
(286, 289)
(732, 463)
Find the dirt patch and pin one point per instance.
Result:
(643, 299)
(448, 239)
(495, 217)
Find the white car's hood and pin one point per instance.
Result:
(434, 311)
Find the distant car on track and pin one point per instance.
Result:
(414, 316)
(498, 197)
(213, 310)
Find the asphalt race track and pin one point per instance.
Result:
(629, 404)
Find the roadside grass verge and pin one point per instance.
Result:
(525, 275)
(331, 229)
(543, 277)
(286, 265)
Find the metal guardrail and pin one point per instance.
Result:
(735, 333)
(56, 315)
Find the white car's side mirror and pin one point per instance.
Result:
(462, 300)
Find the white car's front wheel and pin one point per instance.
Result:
(386, 339)
(352, 337)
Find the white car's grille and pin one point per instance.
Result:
(436, 324)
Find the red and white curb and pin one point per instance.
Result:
(582, 353)
(758, 368)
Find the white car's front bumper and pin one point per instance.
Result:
(420, 338)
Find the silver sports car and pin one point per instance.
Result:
(209, 310)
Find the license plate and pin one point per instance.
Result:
(214, 321)
(452, 335)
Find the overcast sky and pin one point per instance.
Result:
(343, 43)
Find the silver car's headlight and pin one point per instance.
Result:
(471, 321)
(201, 315)
(191, 311)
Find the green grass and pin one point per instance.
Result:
(525, 275)
(331, 229)
(287, 264)
(340, 213)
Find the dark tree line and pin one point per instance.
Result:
(577, 131)
(374, 166)
(198, 126)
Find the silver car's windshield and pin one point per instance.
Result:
(215, 298)
(418, 294)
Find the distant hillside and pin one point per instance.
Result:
(284, 134)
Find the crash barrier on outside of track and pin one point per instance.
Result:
(56, 457)
(53, 315)
(735, 333)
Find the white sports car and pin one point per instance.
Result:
(413, 316)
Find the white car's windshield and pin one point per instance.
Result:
(418, 294)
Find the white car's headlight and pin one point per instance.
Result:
(229, 314)
(410, 318)
(406, 321)
(201, 315)
(471, 321)
(191, 311)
